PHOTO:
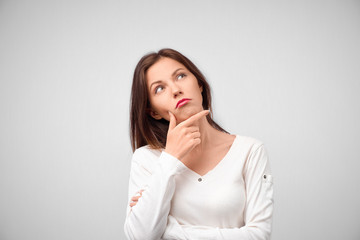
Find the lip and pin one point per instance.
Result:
(182, 102)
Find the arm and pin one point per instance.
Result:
(258, 212)
(148, 219)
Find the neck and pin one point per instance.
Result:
(207, 134)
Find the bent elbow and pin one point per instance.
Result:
(140, 233)
(259, 232)
(132, 233)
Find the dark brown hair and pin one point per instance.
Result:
(144, 129)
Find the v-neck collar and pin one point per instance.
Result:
(194, 176)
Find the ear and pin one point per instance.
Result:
(154, 114)
(201, 89)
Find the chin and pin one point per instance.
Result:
(186, 113)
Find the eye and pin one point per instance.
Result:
(180, 76)
(158, 89)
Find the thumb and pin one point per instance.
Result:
(172, 121)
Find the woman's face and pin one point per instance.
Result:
(172, 87)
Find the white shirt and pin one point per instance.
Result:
(232, 201)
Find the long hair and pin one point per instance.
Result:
(144, 129)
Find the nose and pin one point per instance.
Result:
(176, 91)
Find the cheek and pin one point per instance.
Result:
(198, 90)
(159, 105)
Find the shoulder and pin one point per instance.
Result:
(254, 151)
(146, 155)
(248, 143)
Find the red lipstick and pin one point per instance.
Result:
(182, 102)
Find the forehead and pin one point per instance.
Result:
(162, 69)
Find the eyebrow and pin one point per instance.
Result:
(172, 75)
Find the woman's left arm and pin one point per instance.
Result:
(258, 211)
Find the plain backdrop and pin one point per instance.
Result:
(284, 72)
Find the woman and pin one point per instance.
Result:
(190, 179)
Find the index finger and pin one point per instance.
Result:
(194, 118)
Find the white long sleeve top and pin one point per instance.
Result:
(232, 201)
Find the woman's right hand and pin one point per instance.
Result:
(185, 136)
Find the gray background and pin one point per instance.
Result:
(285, 72)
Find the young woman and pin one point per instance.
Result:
(189, 178)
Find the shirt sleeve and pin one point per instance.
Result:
(258, 212)
(148, 218)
